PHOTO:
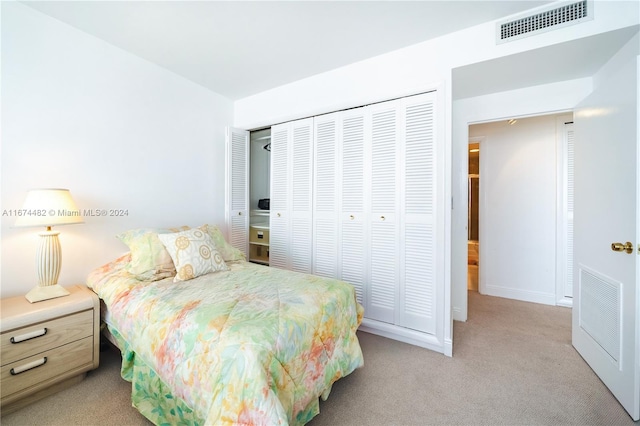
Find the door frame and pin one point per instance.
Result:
(560, 97)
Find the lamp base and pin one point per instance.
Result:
(39, 294)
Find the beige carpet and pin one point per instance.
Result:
(513, 364)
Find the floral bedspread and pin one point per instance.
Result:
(252, 345)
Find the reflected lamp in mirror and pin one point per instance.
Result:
(48, 207)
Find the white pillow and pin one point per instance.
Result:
(150, 261)
(193, 252)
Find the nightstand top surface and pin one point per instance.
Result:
(16, 312)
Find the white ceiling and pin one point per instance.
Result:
(239, 48)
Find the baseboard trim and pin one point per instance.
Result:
(394, 332)
(566, 302)
(517, 294)
(457, 314)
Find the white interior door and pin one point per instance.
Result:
(605, 308)
(237, 189)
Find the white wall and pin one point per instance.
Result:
(518, 186)
(116, 130)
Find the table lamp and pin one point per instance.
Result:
(48, 207)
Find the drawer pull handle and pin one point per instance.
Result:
(28, 336)
(28, 366)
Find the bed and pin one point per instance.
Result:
(243, 344)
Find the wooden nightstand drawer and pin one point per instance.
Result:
(39, 368)
(55, 342)
(45, 335)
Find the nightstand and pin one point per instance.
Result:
(47, 346)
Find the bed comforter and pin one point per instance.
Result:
(252, 345)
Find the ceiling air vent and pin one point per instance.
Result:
(544, 20)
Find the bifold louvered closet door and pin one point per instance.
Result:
(418, 226)
(237, 187)
(373, 208)
(291, 195)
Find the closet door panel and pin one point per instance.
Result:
(301, 195)
(291, 195)
(237, 187)
(326, 196)
(353, 217)
(418, 278)
(386, 147)
(279, 203)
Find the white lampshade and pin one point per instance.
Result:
(48, 207)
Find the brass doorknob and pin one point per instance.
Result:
(628, 247)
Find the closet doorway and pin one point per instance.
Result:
(473, 223)
(259, 195)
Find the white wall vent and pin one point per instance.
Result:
(600, 312)
(550, 18)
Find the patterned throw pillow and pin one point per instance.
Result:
(194, 253)
(229, 253)
(150, 260)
